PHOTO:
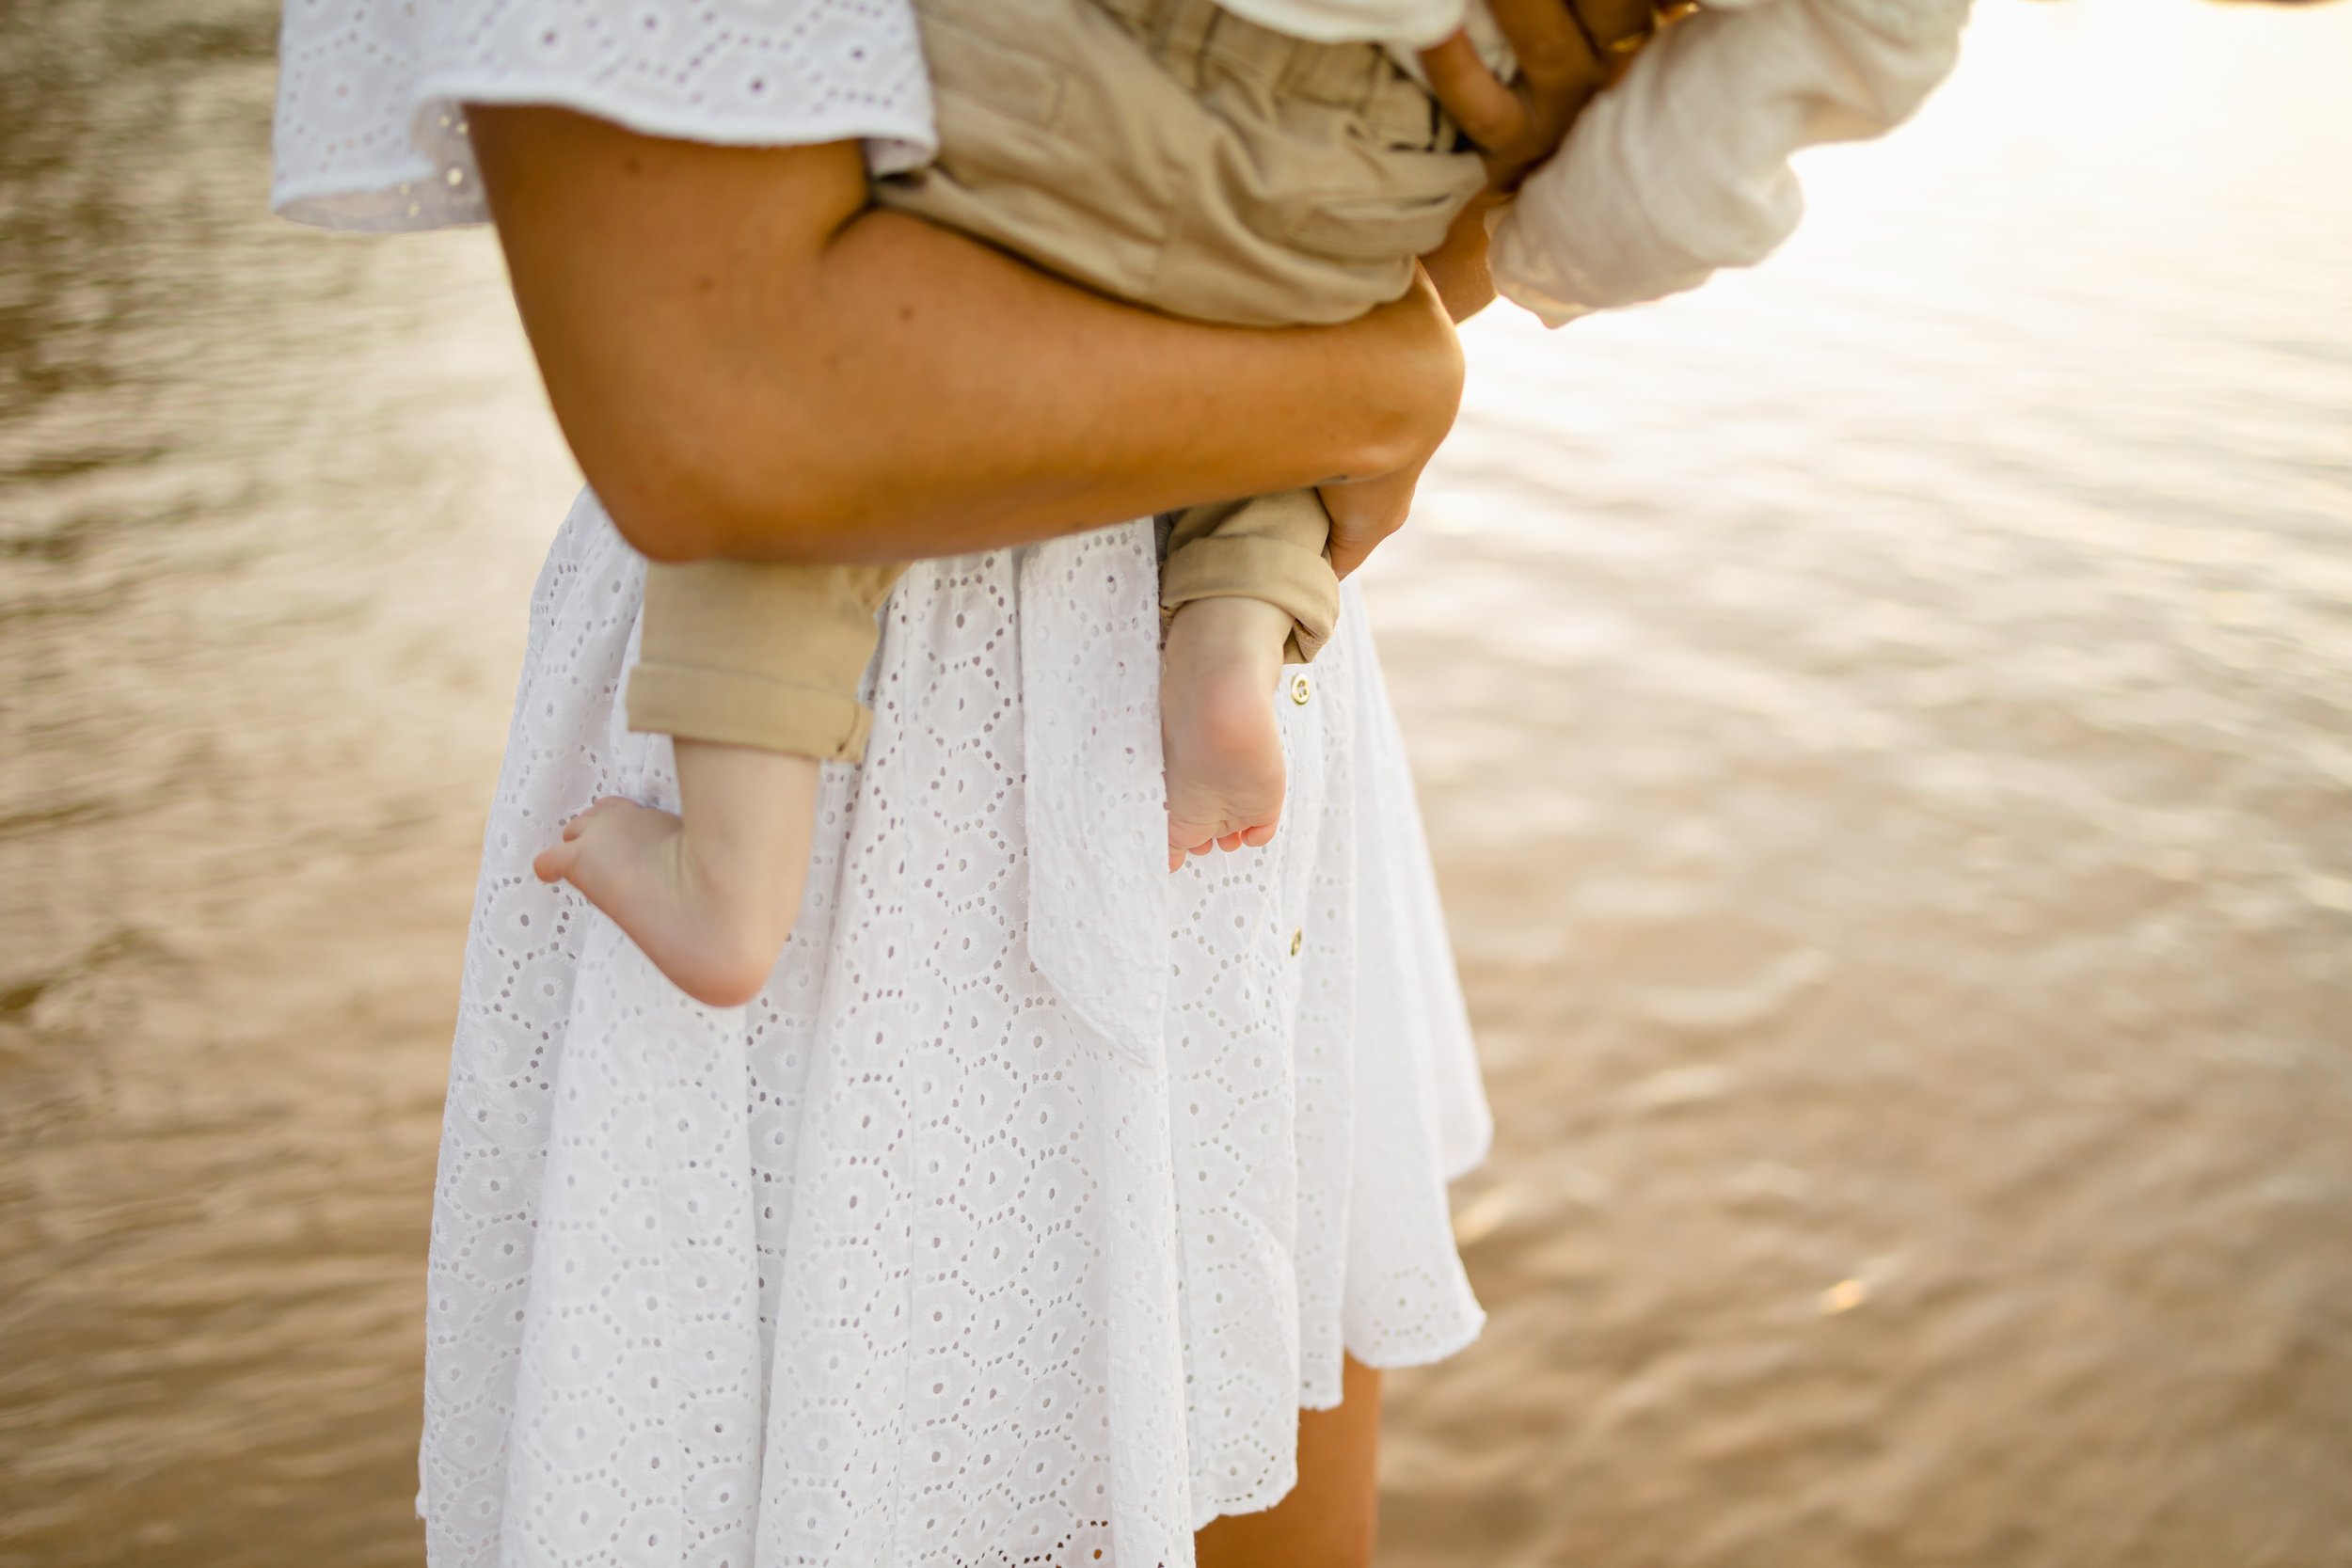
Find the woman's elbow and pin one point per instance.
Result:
(685, 504)
(658, 535)
(694, 462)
(661, 521)
(675, 527)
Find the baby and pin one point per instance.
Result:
(1256, 162)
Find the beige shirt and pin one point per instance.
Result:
(1683, 168)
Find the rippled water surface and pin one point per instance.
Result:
(1883, 720)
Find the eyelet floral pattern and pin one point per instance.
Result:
(906, 1262)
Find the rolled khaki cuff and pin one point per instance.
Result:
(759, 655)
(1273, 548)
(697, 702)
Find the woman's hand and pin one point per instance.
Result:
(1453, 280)
(1566, 55)
(1516, 126)
(1364, 511)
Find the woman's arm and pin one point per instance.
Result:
(748, 361)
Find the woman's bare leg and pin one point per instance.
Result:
(1328, 1520)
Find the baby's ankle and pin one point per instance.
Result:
(1228, 638)
(1224, 747)
(748, 815)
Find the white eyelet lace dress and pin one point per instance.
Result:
(1017, 1219)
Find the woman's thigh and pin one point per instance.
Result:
(1327, 1521)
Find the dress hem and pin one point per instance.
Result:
(1452, 1345)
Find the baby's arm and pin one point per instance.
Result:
(1682, 168)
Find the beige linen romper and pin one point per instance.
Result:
(1163, 151)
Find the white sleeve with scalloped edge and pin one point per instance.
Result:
(371, 133)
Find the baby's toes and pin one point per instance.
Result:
(554, 864)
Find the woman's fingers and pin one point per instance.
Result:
(1364, 513)
(1490, 113)
(1351, 550)
(1552, 47)
(1561, 68)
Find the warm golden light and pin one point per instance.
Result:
(1885, 723)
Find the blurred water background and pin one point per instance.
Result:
(1886, 723)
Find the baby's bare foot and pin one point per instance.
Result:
(711, 896)
(1224, 750)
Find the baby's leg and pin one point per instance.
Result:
(754, 672)
(1225, 776)
(709, 894)
(1251, 586)
(1195, 162)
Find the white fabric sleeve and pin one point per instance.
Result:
(1682, 168)
(1407, 24)
(371, 134)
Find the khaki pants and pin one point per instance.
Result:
(1160, 151)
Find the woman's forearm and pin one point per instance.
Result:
(749, 361)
